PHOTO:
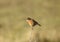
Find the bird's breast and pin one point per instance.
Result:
(30, 22)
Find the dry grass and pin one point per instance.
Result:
(13, 27)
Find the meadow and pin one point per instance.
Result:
(13, 25)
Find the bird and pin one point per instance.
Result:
(32, 22)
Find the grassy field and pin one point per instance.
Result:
(13, 25)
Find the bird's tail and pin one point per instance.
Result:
(39, 24)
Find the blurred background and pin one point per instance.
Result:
(13, 25)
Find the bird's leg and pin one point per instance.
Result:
(32, 28)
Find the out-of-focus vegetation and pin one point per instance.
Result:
(13, 27)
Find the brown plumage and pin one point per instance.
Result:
(32, 22)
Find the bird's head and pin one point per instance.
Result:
(28, 18)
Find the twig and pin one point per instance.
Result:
(31, 34)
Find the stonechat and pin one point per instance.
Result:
(32, 22)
